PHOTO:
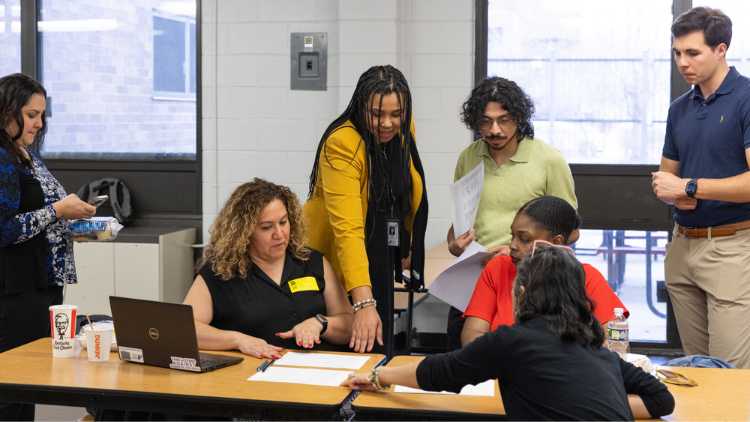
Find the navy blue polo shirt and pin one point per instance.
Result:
(709, 136)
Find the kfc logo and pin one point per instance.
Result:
(62, 322)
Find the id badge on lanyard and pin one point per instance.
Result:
(391, 231)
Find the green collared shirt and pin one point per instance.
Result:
(536, 169)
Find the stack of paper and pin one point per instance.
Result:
(325, 377)
(300, 368)
(322, 360)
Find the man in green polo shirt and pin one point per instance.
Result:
(517, 168)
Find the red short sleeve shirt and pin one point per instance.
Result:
(492, 299)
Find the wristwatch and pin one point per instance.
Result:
(691, 188)
(323, 321)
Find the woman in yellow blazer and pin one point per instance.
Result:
(367, 209)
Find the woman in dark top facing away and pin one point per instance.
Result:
(259, 289)
(550, 364)
(36, 252)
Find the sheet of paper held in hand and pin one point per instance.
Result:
(295, 375)
(456, 283)
(486, 389)
(322, 360)
(466, 192)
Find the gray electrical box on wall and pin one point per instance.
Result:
(309, 61)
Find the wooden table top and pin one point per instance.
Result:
(433, 403)
(33, 365)
(721, 394)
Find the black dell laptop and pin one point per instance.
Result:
(161, 334)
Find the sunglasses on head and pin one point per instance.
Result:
(541, 244)
(675, 378)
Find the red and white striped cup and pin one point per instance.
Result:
(62, 321)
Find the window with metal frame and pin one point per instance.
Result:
(114, 99)
(10, 37)
(174, 57)
(109, 66)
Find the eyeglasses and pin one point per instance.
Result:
(541, 244)
(485, 123)
(675, 378)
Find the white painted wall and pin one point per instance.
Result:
(254, 125)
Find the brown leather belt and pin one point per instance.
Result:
(716, 231)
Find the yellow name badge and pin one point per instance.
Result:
(303, 284)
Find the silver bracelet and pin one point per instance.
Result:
(364, 304)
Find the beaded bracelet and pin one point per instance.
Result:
(374, 379)
(364, 304)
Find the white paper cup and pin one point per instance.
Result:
(98, 344)
(62, 321)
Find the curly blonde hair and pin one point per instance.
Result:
(228, 253)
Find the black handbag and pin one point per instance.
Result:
(119, 196)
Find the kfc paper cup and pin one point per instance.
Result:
(62, 321)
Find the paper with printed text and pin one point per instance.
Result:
(466, 193)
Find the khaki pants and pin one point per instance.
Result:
(708, 280)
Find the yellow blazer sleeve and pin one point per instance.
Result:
(343, 176)
(417, 184)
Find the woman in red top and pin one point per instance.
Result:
(545, 218)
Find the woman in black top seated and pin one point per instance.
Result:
(550, 364)
(259, 289)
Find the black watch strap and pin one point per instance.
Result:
(323, 321)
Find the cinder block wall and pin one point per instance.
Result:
(254, 125)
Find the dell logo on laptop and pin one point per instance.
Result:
(153, 333)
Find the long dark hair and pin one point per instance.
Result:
(553, 214)
(382, 80)
(553, 284)
(15, 92)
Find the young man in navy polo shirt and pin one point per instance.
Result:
(705, 174)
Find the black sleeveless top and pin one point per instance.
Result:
(255, 305)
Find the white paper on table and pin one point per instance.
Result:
(322, 360)
(484, 389)
(325, 377)
(456, 283)
(466, 192)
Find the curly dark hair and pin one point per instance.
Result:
(554, 290)
(716, 26)
(15, 92)
(509, 95)
(228, 253)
